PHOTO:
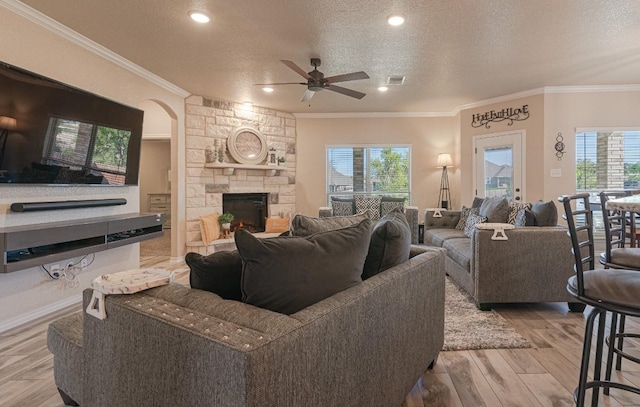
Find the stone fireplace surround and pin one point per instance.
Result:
(208, 119)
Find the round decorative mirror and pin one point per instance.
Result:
(247, 145)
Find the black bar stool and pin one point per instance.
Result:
(606, 290)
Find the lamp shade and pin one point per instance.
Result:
(444, 160)
(8, 123)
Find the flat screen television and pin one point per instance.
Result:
(54, 134)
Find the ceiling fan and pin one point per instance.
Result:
(317, 82)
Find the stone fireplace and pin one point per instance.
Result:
(248, 209)
(208, 120)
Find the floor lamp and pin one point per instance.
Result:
(6, 124)
(444, 199)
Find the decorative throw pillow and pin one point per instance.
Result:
(464, 214)
(496, 210)
(342, 206)
(220, 273)
(525, 218)
(472, 221)
(369, 205)
(210, 228)
(514, 208)
(302, 225)
(277, 225)
(390, 244)
(287, 274)
(389, 203)
(545, 213)
(477, 202)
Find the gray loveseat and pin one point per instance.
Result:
(176, 346)
(533, 265)
(411, 213)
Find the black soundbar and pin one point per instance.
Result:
(47, 206)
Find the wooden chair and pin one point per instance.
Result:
(606, 290)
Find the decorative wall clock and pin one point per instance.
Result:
(247, 145)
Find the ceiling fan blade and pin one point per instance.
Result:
(354, 76)
(345, 91)
(296, 68)
(280, 83)
(307, 95)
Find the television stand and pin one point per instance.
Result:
(35, 245)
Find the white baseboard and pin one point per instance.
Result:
(40, 312)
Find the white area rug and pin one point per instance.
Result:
(468, 328)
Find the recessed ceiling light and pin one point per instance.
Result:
(395, 19)
(383, 88)
(267, 89)
(199, 16)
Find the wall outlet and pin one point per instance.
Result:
(84, 263)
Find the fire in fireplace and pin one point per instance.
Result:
(249, 210)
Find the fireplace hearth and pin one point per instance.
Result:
(248, 209)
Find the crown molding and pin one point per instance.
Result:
(592, 88)
(499, 99)
(65, 32)
(357, 115)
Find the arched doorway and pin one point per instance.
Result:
(155, 187)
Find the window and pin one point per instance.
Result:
(84, 146)
(381, 170)
(607, 161)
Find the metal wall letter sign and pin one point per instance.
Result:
(509, 113)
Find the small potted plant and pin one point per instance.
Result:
(225, 221)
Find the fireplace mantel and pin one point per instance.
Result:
(230, 168)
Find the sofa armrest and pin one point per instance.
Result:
(449, 219)
(533, 265)
(411, 212)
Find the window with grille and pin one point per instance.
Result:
(380, 170)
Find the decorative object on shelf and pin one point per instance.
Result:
(272, 158)
(559, 146)
(225, 221)
(444, 198)
(6, 123)
(508, 113)
(281, 161)
(247, 145)
(221, 152)
(210, 153)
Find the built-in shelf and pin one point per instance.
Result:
(34, 245)
(229, 168)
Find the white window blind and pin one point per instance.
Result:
(607, 160)
(381, 170)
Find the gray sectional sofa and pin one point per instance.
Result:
(533, 265)
(176, 346)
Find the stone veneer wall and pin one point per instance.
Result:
(207, 119)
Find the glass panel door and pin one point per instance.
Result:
(498, 166)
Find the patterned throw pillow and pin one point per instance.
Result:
(389, 203)
(342, 206)
(369, 205)
(514, 208)
(464, 214)
(472, 221)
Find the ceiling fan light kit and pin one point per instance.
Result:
(317, 82)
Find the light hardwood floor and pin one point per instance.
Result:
(544, 375)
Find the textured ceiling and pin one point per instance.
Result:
(452, 52)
